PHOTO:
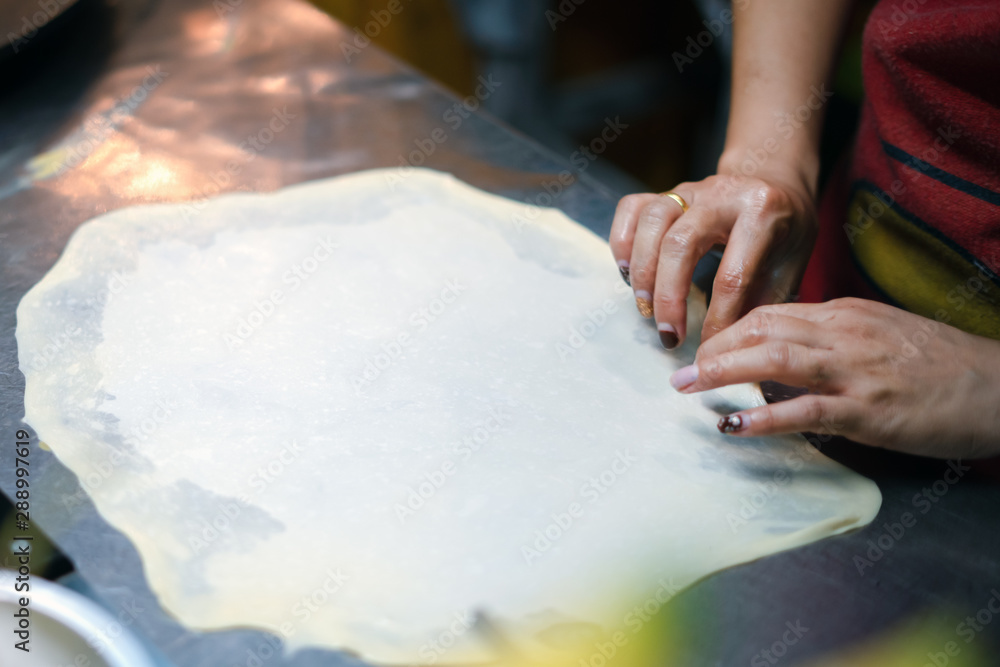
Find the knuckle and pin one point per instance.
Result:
(731, 283)
(756, 326)
(666, 300)
(774, 211)
(850, 303)
(642, 275)
(628, 203)
(653, 213)
(772, 198)
(729, 185)
(680, 239)
(715, 368)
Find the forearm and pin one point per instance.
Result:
(783, 54)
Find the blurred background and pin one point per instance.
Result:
(568, 65)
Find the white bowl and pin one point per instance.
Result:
(66, 629)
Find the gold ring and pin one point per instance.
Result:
(677, 198)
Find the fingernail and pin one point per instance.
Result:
(733, 423)
(684, 377)
(623, 269)
(668, 335)
(644, 302)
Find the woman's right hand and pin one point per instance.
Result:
(767, 224)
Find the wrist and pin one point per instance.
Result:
(772, 161)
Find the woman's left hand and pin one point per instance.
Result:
(876, 374)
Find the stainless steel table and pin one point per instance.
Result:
(145, 101)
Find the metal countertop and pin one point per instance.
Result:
(144, 101)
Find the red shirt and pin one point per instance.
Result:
(914, 219)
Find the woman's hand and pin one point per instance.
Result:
(761, 203)
(876, 374)
(768, 226)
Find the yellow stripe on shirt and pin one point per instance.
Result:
(919, 270)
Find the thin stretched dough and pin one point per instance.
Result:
(361, 411)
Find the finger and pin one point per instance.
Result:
(654, 221)
(736, 281)
(788, 363)
(623, 229)
(827, 415)
(684, 243)
(760, 326)
(813, 312)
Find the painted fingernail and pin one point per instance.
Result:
(623, 269)
(733, 423)
(668, 335)
(684, 377)
(644, 302)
